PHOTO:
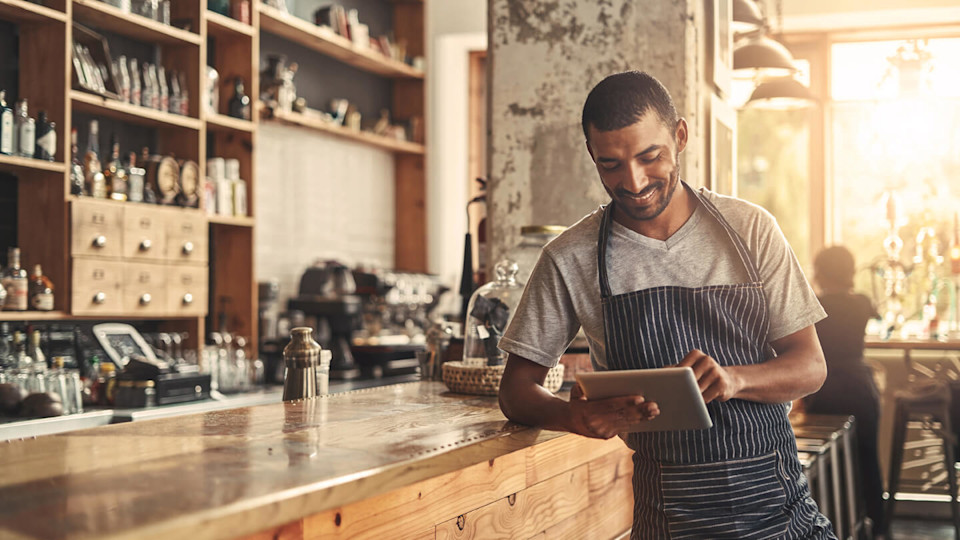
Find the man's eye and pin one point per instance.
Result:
(611, 167)
(650, 160)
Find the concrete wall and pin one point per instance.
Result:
(545, 58)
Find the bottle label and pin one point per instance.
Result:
(6, 132)
(27, 141)
(16, 294)
(47, 145)
(42, 302)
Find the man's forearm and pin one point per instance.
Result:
(528, 403)
(781, 379)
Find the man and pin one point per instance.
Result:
(666, 275)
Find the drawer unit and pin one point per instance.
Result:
(97, 228)
(144, 233)
(187, 238)
(187, 290)
(97, 287)
(144, 289)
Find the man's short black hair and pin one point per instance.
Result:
(622, 99)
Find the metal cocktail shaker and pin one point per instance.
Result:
(301, 357)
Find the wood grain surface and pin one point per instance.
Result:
(226, 474)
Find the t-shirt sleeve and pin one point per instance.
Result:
(792, 303)
(545, 322)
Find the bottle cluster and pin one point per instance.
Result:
(24, 136)
(22, 292)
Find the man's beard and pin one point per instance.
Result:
(666, 190)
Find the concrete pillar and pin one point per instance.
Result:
(545, 56)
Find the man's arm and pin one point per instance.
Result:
(524, 400)
(798, 370)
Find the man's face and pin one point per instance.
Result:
(639, 165)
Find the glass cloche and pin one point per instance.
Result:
(490, 309)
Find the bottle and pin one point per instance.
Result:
(26, 131)
(239, 106)
(6, 126)
(41, 291)
(163, 93)
(93, 176)
(15, 282)
(134, 82)
(36, 352)
(46, 138)
(107, 383)
(6, 347)
(184, 95)
(135, 176)
(76, 166)
(174, 105)
(146, 93)
(22, 360)
(154, 86)
(123, 76)
(114, 175)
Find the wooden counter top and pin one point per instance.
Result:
(224, 474)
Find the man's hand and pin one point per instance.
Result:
(605, 418)
(715, 381)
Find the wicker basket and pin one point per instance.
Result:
(485, 381)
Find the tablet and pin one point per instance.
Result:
(674, 389)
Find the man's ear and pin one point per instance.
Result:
(681, 135)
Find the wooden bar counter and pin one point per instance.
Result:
(403, 461)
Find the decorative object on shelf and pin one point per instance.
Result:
(93, 68)
(211, 91)
(277, 4)
(163, 176)
(239, 105)
(189, 195)
(488, 313)
(382, 127)
(353, 119)
(219, 6)
(241, 11)
(338, 111)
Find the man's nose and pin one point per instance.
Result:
(638, 178)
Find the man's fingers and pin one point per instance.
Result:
(691, 358)
(577, 392)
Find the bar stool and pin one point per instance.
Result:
(930, 399)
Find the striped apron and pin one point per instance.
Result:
(741, 478)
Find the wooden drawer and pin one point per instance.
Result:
(97, 287)
(144, 233)
(144, 289)
(187, 290)
(97, 228)
(187, 238)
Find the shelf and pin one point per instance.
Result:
(32, 315)
(217, 24)
(20, 11)
(222, 122)
(28, 316)
(379, 141)
(138, 27)
(326, 41)
(13, 164)
(135, 114)
(235, 221)
(128, 204)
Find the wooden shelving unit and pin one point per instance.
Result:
(101, 15)
(233, 221)
(221, 122)
(21, 11)
(379, 141)
(135, 114)
(18, 165)
(32, 316)
(218, 24)
(327, 42)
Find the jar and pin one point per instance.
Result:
(527, 251)
(488, 313)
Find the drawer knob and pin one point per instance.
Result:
(187, 248)
(187, 299)
(145, 244)
(99, 298)
(100, 241)
(145, 299)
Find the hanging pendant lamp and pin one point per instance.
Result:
(781, 93)
(761, 56)
(746, 17)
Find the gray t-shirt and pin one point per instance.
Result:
(563, 292)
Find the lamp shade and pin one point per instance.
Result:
(781, 93)
(761, 56)
(746, 17)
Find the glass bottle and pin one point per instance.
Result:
(76, 166)
(135, 89)
(490, 309)
(92, 173)
(41, 290)
(184, 95)
(15, 282)
(163, 92)
(174, 105)
(7, 137)
(135, 176)
(239, 106)
(154, 86)
(114, 174)
(146, 92)
(124, 83)
(26, 131)
(36, 352)
(6, 346)
(46, 147)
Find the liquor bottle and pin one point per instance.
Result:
(114, 174)
(6, 126)
(22, 360)
(46, 138)
(36, 352)
(146, 93)
(149, 194)
(41, 291)
(123, 79)
(135, 95)
(26, 131)
(239, 106)
(6, 346)
(184, 95)
(163, 93)
(15, 282)
(76, 166)
(174, 105)
(154, 86)
(135, 177)
(93, 176)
